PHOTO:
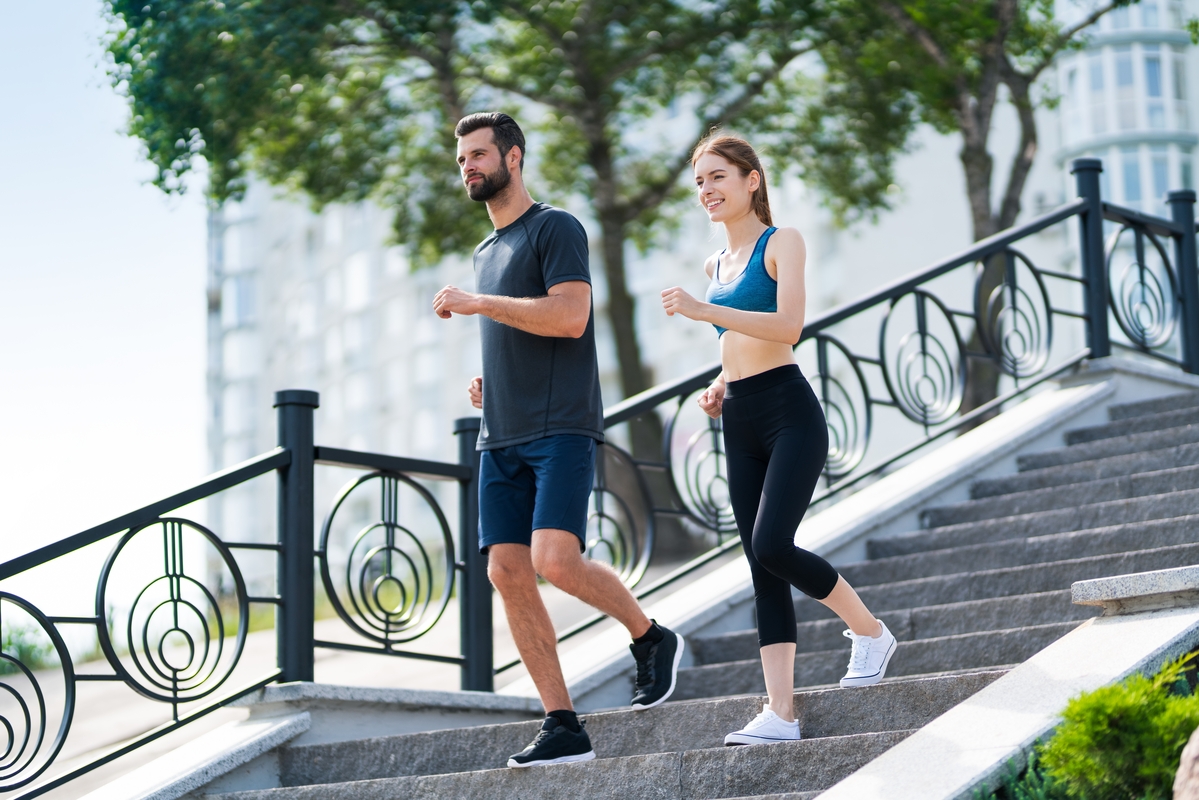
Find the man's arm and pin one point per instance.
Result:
(562, 313)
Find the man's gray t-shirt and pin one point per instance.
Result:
(536, 386)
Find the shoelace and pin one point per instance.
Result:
(645, 671)
(859, 652)
(757, 721)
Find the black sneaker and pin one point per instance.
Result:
(555, 744)
(657, 667)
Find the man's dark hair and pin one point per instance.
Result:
(504, 131)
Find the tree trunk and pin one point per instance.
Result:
(982, 381)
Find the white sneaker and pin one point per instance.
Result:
(869, 658)
(765, 728)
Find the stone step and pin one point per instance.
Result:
(1081, 472)
(809, 765)
(1018, 552)
(1134, 511)
(908, 624)
(1149, 422)
(1104, 448)
(672, 727)
(918, 657)
(1007, 582)
(1163, 481)
(1157, 405)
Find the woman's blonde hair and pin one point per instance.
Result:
(742, 155)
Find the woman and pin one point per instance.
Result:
(775, 437)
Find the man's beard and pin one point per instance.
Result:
(491, 185)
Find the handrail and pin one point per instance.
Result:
(415, 467)
(1159, 226)
(217, 482)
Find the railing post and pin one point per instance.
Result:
(1182, 210)
(1094, 270)
(294, 616)
(474, 588)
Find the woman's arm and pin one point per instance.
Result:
(712, 399)
(787, 253)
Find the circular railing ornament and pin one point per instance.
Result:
(925, 371)
(1015, 316)
(1144, 296)
(174, 636)
(699, 475)
(394, 586)
(29, 738)
(620, 520)
(844, 396)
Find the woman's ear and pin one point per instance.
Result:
(755, 180)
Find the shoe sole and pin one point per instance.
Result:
(870, 680)
(674, 676)
(588, 756)
(730, 741)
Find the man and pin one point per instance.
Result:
(542, 420)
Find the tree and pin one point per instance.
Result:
(348, 99)
(947, 61)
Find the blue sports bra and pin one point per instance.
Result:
(752, 290)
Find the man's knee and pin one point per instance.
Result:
(557, 559)
(510, 570)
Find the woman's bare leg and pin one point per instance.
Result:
(846, 604)
(778, 666)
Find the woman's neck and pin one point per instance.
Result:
(743, 232)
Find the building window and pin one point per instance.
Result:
(1160, 164)
(1120, 18)
(1098, 112)
(1073, 117)
(237, 301)
(1175, 11)
(1126, 97)
(1181, 115)
(1155, 108)
(1184, 162)
(1130, 162)
(1149, 17)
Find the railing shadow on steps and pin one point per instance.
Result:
(890, 370)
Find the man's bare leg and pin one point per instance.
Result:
(556, 558)
(510, 568)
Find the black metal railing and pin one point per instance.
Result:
(900, 359)
(172, 608)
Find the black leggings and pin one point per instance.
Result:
(776, 443)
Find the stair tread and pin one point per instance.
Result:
(1103, 448)
(1142, 484)
(1045, 548)
(808, 765)
(1126, 511)
(1139, 424)
(1156, 405)
(1089, 470)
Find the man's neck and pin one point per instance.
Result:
(509, 205)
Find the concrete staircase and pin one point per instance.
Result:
(982, 587)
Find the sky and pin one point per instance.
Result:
(102, 302)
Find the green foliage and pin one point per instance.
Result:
(27, 645)
(1119, 742)
(1124, 741)
(1033, 783)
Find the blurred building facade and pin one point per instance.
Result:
(322, 301)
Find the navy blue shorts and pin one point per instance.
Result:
(541, 484)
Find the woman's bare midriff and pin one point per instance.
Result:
(743, 356)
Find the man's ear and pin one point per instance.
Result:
(515, 154)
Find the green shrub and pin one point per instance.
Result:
(1122, 742)
(1119, 742)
